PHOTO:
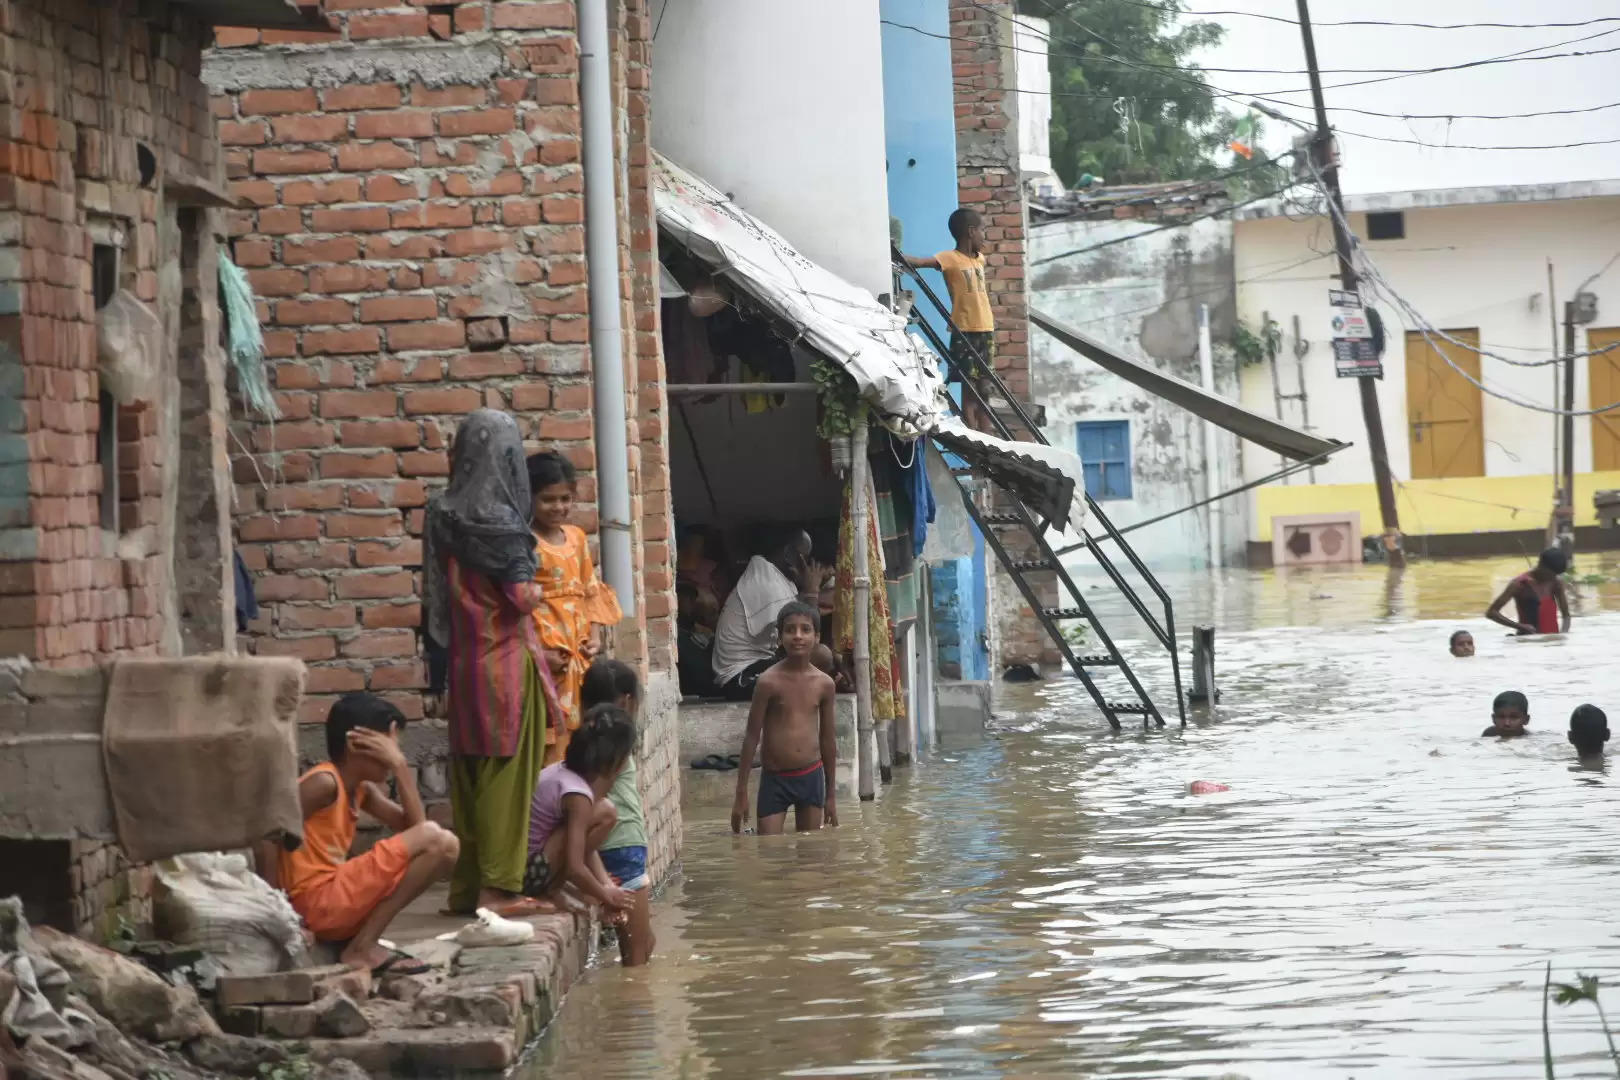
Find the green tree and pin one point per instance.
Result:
(1128, 106)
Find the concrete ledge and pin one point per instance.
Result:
(961, 711)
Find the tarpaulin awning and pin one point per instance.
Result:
(1261, 430)
(895, 373)
(838, 320)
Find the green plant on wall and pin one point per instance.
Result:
(841, 404)
(1253, 346)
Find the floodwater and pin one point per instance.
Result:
(1377, 896)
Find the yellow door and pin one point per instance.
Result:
(1444, 411)
(1605, 368)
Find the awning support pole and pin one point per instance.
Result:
(860, 476)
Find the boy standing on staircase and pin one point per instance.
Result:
(972, 340)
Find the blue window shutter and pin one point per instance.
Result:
(1105, 449)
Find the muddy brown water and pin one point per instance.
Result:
(1377, 896)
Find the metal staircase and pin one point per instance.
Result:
(1017, 535)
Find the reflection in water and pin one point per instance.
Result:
(1376, 896)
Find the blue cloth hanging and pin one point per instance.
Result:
(247, 605)
(922, 495)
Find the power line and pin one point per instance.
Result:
(1180, 224)
(1172, 9)
(1517, 57)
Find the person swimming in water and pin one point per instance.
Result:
(1462, 643)
(1534, 594)
(1510, 712)
(1588, 731)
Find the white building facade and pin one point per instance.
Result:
(1474, 472)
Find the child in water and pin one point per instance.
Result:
(1510, 712)
(1588, 731)
(624, 850)
(1534, 594)
(793, 712)
(1462, 643)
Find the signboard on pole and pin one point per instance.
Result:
(1354, 352)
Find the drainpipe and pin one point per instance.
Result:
(1212, 472)
(602, 282)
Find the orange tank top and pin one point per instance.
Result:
(328, 836)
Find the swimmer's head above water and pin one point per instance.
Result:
(1462, 643)
(1510, 712)
(1588, 730)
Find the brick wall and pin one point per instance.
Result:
(106, 109)
(107, 139)
(415, 233)
(989, 181)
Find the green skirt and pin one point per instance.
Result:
(490, 797)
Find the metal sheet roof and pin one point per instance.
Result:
(1044, 477)
(1261, 430)
(839, 320)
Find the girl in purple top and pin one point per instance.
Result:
(571, 815)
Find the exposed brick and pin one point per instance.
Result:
(313, 312)
(375, 585)
(543, 15)
(320, 192)
(342, 466)
(477, 121)
(396, 124)
(370, 96)
(340, 342)
(394, 434)
(442, 401)
(427, 335)
(398, 309)
(273, 162)
(315, 616)
(407, 24)
(388, 553)
(425, 462)
(350, 219)
(335, 249)
(371, 157)
(335, 404)
(317, 128)
(448, 97)
(273, 102)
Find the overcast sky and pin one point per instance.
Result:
(1370, 166)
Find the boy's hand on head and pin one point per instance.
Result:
(374, 744)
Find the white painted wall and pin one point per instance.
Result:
(1141, 298)
(1468, 266)
(1031, 38)
(780, 105)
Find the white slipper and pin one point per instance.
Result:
(491, 929)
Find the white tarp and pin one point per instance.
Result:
(840, 321)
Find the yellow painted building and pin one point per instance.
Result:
(1474, 470)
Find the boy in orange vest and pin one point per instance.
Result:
(353, 900)
(973, 341)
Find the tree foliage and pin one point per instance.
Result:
(1127, 105)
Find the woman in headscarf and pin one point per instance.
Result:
(479, 596)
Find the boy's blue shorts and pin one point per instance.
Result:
(627, 864)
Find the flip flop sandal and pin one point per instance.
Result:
(400, 963)
(524, 907)
(710, 761)
(733, 761)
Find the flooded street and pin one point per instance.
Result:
(1377, 896)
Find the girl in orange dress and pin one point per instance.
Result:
(575, 601)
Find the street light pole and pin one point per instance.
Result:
(1322, 156)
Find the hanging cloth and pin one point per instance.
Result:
(888, 695)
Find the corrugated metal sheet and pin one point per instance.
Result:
(1044, 477)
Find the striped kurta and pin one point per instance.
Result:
(492, 639)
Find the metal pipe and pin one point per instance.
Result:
(860, 477)
(602, 282)
(1212, 471)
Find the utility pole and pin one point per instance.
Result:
(1566, 497)
(1322, 155)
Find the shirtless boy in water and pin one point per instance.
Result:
(793, 710)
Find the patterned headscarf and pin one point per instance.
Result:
(482, 518)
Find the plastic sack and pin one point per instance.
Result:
(214, 902)
(129, 347)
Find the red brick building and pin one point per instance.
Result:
(413, 228)
(114, 486)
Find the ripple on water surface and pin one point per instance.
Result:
(1377, 895)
